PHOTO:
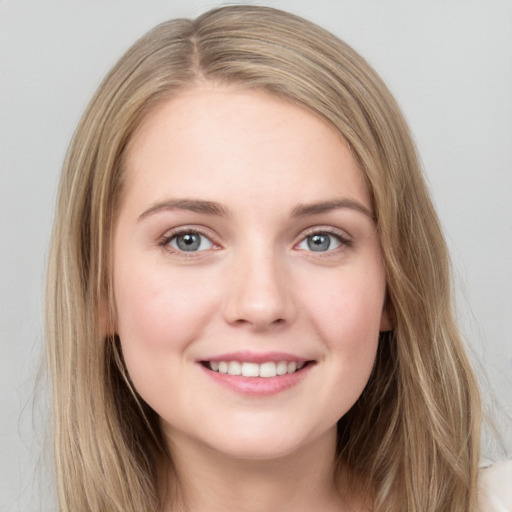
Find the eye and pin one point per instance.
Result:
(322, 242)
(189, 241)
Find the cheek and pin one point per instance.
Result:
(348, 322)
(159, 314)
(159, 306)
(349, 313)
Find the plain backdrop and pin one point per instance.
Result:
(449, 63)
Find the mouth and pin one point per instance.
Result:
(249, 369)
(257, 374)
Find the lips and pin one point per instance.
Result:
(256, 374)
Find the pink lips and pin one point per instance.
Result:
(258, 386)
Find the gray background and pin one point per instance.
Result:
(449, 63)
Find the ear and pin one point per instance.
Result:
(106, 324)
(386, 319)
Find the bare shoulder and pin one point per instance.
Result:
(495, 487)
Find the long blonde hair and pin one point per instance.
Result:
(413, 435)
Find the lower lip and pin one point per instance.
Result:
(258, 386)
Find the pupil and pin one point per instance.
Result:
(189, 242)
(319, 242)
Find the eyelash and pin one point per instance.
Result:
(165, 241)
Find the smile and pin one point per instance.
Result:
(257, 374)
(266, 369)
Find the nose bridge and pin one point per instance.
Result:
(258, 294)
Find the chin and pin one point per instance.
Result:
(263, 444)
(254, 451)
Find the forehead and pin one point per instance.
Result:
(230, 142)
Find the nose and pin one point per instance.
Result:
(258, 292)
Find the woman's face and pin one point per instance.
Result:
(245, 244)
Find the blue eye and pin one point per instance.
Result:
(190, 241)
(320, 242)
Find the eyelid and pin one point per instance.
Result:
(330, 230)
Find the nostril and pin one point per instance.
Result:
(259, 323)
(258, 303)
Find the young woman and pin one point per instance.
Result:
(249, 303)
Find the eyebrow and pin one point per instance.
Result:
(191, 205)
(216, 209)
(304, 210)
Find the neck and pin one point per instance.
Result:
(212, 481)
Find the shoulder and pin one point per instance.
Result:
(495, 487)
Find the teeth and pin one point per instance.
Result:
(250, 369)
(234, 368)
(282, 368)
(266, 370)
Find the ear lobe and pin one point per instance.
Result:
(386, 322)
(105, 324)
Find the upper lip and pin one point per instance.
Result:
(257, 357)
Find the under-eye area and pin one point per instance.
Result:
(250, 369)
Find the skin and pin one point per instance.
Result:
(255, 285)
